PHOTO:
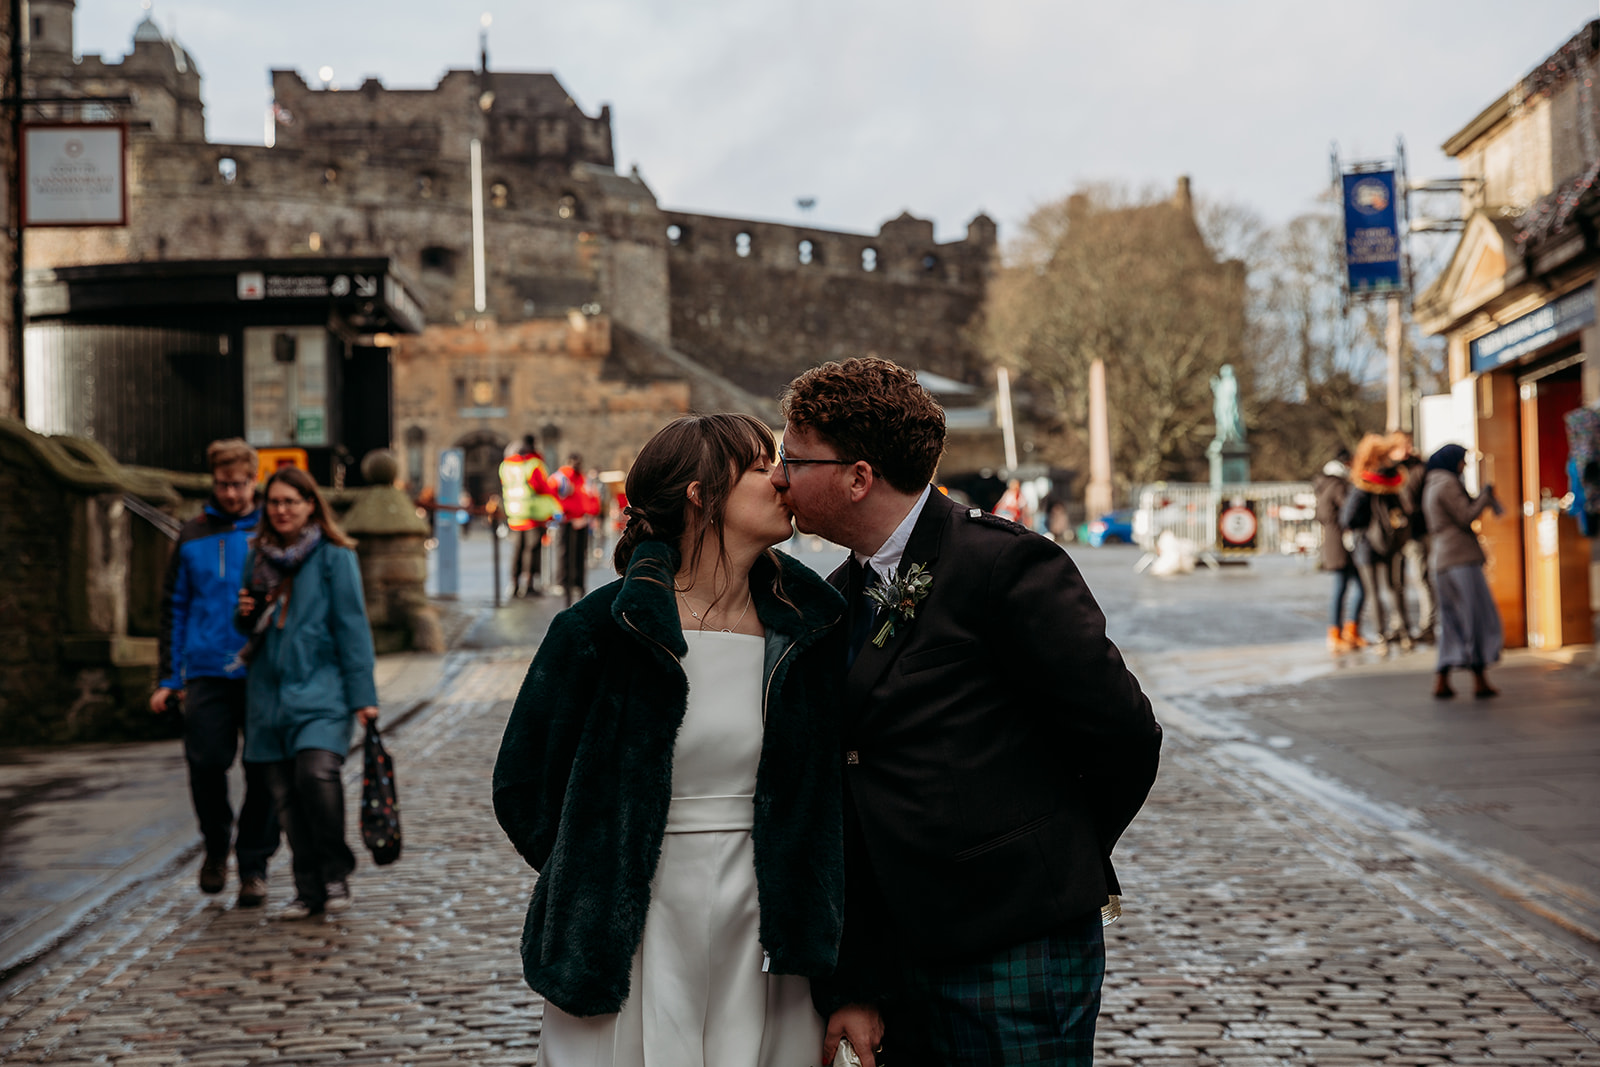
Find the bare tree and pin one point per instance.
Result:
(1128, 279)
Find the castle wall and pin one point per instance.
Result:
(763, 317)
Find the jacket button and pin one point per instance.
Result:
(852, 757)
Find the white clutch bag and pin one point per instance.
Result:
(846, 1055)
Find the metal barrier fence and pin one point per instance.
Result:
(1284, 513)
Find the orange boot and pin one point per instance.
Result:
(1352, 636)
(1336, 641)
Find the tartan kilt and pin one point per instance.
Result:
(1033, 1003)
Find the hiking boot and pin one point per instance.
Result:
(252, 891)
(1336, 641)
(299, 909)
(1352, 636)
(338, 896)
(213, 876)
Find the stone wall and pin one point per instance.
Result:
(761, 302)
(77, 633)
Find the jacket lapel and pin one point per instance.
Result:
(927, 537)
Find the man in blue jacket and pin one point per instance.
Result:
(200, 666)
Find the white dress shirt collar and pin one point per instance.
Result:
(886, 561)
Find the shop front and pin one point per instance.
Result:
(1530, 372)
(154, 360)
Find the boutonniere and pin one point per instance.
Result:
(900, 599)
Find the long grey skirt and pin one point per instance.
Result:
(1469, 624)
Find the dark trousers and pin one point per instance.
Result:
(574, 560)
(1036, 1002)
(527, 560)
(1417, 550)
(1390, 612)
(310, 796)
(213, 717)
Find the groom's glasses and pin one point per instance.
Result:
(785, 462)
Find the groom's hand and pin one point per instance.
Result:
(862, 1025)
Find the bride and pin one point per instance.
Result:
(671, 769)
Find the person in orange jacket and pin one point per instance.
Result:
(580, 505)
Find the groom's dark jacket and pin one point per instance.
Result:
(996, 747)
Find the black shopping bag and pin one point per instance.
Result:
(380, 805)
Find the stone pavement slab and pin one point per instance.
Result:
(1505, 792)
(83, 825)
(1261, 928)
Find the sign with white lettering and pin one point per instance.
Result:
(74, 174)
(1372, 249)
(1534, 330)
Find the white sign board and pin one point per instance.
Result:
(74, 175)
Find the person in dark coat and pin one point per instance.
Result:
(1470, 633)
(1419, 545)
(1332, 486)
(199, 648)
(996, 746)
(311, 661)
(713, 655)
(1375, 514)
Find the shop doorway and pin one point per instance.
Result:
(1556, 554)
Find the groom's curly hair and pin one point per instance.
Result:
(872, 409)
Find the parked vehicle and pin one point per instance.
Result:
(1112, 528)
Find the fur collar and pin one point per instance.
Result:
(645, 601)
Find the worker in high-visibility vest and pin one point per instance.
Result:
(526, 495)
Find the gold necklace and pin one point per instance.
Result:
(697, 618)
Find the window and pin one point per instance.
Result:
(930, 263)
(806, 252)
(330, 176)
(675, 235)
(228, 168)
(438, 259)
(741, 245)
(869, 259)
(286, 386)
(500, 195)
(425, 186)
(567, 206)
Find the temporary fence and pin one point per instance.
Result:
(1233, 521)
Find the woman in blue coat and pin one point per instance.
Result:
(310, 655)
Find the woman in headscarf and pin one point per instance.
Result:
(1470, 635)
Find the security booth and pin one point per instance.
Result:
(154, 360)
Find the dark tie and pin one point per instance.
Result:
(862, 609)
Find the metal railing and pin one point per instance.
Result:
(1284, 513)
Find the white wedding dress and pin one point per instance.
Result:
(698, 994)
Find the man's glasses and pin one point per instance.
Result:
(785, 462)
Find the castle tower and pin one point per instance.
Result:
(50, 29)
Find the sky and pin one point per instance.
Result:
(943, 108)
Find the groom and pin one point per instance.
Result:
(995, 744)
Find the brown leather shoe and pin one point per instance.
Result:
(213, 876)
(1441, 686)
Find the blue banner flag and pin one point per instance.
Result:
(1371, 234)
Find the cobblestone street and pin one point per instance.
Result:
(1260, 929)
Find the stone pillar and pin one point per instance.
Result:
(391, 544)
(1097, 499)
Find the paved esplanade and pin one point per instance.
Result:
(1266, 922)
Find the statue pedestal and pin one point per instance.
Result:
(1230, 463)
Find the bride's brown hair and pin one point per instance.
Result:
(714, 450)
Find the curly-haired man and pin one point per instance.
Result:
(996, 745)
